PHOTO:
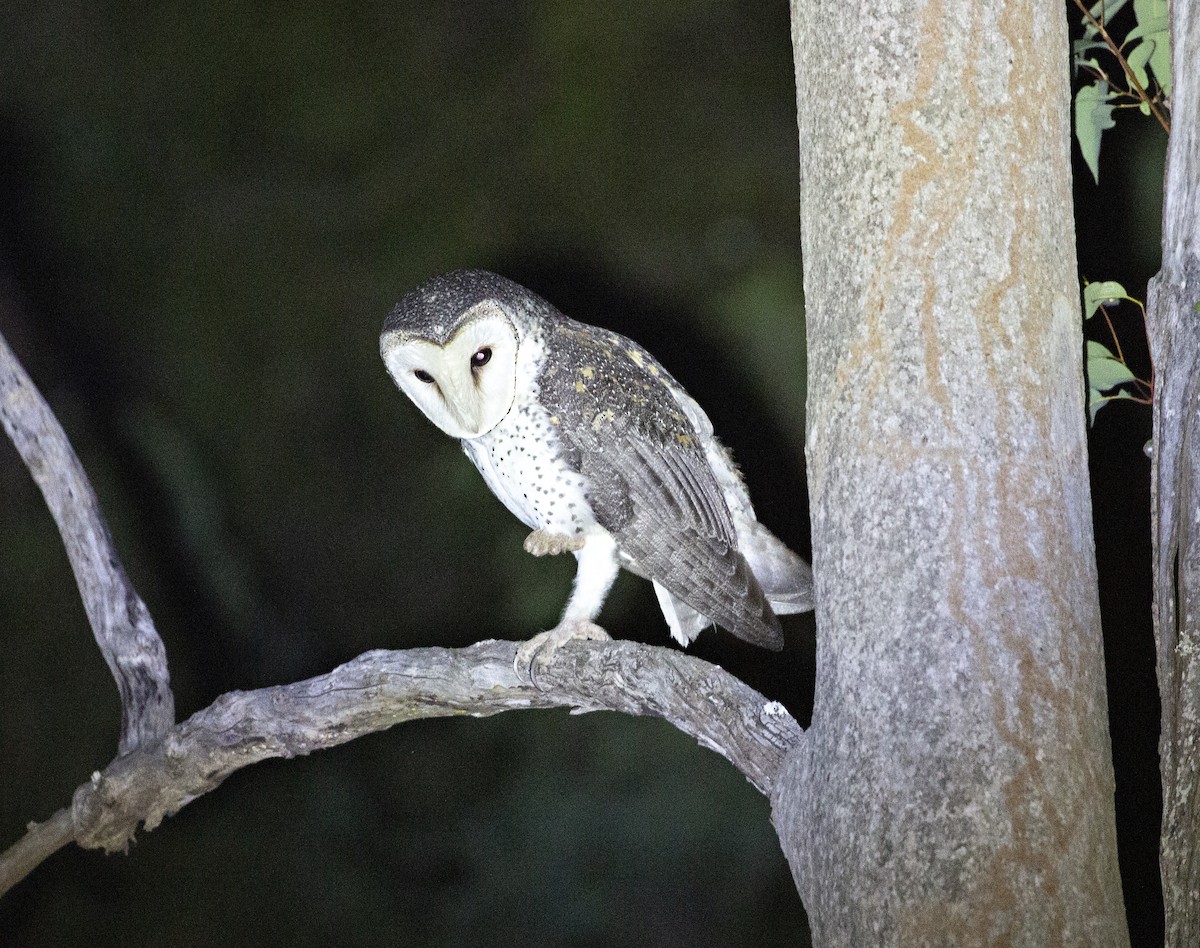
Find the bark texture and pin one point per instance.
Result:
(380, 689)
(1174, 326)
(119, 619)
(956, 784)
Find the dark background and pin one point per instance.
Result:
(207, 211)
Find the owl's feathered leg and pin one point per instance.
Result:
(598, 568)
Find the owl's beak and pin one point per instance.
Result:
(465, 404)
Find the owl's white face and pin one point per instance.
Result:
(467, 386)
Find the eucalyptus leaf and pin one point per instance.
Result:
(1153, 29)
(1093, 115)
(1098, 350)
(1080, 48)
(1103, 369)
(1096, 295)
(1104, 11)
(1137, 59)
(1096, 401)
(1160, 62)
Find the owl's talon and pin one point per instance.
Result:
(539, 651)
(542, 542)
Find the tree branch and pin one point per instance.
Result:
(161, 768)
(40, 842)
(382, 688)
(119, 619)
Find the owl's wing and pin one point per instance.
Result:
(650, 484)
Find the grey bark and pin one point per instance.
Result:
(120, 620)
(956, 784)
(380, 689)
(1174, 327)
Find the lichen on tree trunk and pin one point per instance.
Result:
(956, 785)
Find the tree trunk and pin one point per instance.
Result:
(1174, 327)
(956, 784)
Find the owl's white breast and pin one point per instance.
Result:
(521, 463)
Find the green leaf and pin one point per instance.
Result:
(1154, 30)
(1096, 401)
(1096, 295)
(1093, 115)
(1137, 59)
(1104, 370)
(1105, 9)
(1081, 47)
(1160, 62)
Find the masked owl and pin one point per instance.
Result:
(591, 443)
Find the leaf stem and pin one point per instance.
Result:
(1112, 332)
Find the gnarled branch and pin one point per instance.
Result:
(382, 688)
(120, 620)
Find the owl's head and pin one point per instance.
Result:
(451, 346)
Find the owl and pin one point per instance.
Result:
(595, 447)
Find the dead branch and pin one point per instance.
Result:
(382, 688)
(119, 619)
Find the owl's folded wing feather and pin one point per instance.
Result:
(651, 486)
(680, 535)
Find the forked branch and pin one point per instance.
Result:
(380, 689)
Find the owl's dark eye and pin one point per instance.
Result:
(481, 358)
(423, 375)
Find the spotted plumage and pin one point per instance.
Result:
(589, 441)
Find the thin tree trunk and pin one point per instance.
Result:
(956, 784)
(1174, 327)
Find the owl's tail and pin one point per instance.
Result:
(785, 578)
